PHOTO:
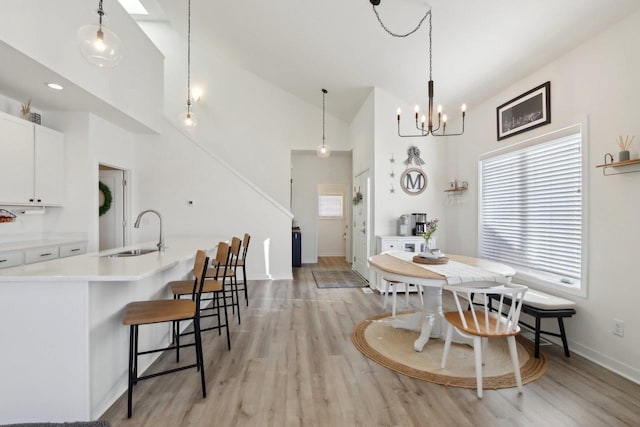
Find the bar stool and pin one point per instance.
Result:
(229, 271)
(241, 263)
(394, 288)
(158, 311)
(213, 286)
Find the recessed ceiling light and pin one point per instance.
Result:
(133, 7)
(55, 86)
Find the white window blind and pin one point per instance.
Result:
(330, 206)
(531, 207)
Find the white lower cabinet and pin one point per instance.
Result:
(397, 243)
(40, 254)
(35, 254)
(11, 259)
(72, 249)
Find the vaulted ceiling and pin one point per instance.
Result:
(479, 47)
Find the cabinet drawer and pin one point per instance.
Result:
(72, 249)
(390, 245)
(11, 259)
(40, 254)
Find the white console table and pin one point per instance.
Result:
(396, 243)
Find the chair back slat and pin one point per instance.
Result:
(484, 321)
(245, 246)
(235, 251)
(223, 257)
(200, 265)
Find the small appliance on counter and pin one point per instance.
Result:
(403, 225)
(418, 223)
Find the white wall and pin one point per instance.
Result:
(46, 31)
(307, 172)
(171, 170)
(250, 123)
(89, 141)
(600, 80)
(389, 206)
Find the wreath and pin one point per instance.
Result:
(357, 198)
(106, 205)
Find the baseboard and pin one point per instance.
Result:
(622, 369)
(271, 277)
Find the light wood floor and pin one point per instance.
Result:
(292, 363)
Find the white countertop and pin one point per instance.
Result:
(98, 267)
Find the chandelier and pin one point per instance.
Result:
(99, 45)
(323, 150)
(424, 124)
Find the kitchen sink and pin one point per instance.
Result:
(132, 252)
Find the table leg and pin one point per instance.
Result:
(429, 322)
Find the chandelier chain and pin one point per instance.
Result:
(428, 14)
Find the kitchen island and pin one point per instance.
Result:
(64, 348)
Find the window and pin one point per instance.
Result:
(531, 208)
(330, 206)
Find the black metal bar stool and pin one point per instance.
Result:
(213, 286)
(157, 311)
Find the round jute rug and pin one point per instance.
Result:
(377, 339)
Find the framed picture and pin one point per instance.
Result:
(525, 112)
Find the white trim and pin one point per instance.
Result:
(615, 366)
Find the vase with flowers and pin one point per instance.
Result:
(430, 228)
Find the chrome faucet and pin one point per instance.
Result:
(137, 225)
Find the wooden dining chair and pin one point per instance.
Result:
(482, 324)
(394, 284)
(214, 286)
(157, 311)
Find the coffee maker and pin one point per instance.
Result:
(419, 223)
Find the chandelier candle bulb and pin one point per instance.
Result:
(399, 114)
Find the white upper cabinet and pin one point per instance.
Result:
(16, 160)
(31, 163)
(49, 166)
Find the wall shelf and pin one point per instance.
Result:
(611, 164)
(456, 190)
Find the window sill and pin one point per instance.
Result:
(548, 282)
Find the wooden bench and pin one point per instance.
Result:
(540, 306)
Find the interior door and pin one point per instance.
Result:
(112, 225)
(361, 220)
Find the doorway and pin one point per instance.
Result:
(112, 216)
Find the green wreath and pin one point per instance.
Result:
(104, 207)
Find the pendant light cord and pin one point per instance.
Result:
(410, 32)
(100, 14)
(189, 59)
(324, 92)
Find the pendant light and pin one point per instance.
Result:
(323, 150)
(187, 118)
(99, 45)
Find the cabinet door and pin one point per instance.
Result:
(49, 166)
(16, 160)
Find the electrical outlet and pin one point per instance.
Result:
(618, 327)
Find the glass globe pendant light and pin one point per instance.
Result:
(187, 118)
(323, 150)
(99, 45)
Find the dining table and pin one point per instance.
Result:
(460, 269)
